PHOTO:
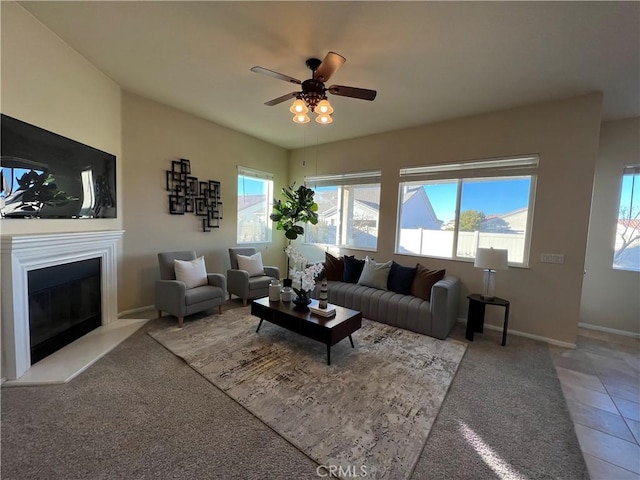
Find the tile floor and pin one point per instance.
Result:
(601, 384)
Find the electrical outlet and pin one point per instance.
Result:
(552, 257)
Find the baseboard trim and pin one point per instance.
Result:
(623, 333)
(550, 341)
(136, 310)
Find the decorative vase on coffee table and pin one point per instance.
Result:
(302, 301)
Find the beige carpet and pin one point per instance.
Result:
(370, 411)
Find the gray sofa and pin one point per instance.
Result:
(435, 318)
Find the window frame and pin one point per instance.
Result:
(488, 169)
(630, 169)
(263, 176)
(341, 180)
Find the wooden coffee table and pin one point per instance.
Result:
(328, 330)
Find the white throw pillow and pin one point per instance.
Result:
(252, 264)
(375, 274)
(192, 272)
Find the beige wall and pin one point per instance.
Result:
(610, 298)
(545, 297)
(153, 136)
(48, 84)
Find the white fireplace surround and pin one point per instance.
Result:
(24, 252)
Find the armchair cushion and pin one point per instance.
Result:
(252, 264)
(202, 293)
(192, 272)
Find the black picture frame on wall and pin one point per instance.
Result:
(190, 195)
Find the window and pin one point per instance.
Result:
(627, 247)
(450, 210)
(255, 197)
(348, 210)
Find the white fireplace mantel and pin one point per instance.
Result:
(23, 253)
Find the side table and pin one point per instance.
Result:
(475, 317)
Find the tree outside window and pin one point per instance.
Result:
(626, 255)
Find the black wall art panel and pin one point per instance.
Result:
(189, 195)
(46, 175)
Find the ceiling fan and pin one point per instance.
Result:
(314, 92)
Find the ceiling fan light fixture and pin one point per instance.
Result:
(324, 119)
(298, 107)
(324, 107)
(301, 118)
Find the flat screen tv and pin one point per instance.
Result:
(45, 175)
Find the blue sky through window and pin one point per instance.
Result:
(251, 186)
(490, 196)
(630, 193)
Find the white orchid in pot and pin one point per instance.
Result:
(298, 209)
(303, 274)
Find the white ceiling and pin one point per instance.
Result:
(429, 61)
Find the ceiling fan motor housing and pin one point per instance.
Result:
(313, 91)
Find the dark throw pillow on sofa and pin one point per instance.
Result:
(333, 267)
(424, 280)
(352, 269)
(401, 278)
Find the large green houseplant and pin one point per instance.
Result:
(298, 207)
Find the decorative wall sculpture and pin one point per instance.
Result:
(188, 195)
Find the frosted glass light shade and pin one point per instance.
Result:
(301, 118)
(298, 107)
(324, 119)
(324, 107)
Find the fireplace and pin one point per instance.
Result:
(24, 254)
(64, 305)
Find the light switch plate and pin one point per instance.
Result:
(552, 257)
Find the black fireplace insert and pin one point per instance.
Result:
(64, 304)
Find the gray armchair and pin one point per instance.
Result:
(172, 296)
(239, 282)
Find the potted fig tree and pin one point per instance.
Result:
(290, 214)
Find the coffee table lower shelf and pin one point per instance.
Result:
(327, 330)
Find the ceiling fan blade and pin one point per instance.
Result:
(281, 99)
(329, 65)
(362, 93)
(271, 73)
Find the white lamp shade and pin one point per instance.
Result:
(491, 258)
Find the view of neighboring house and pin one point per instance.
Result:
(252, 223)
(417, 211)
(512, 222)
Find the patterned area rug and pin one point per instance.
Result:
(369, 412)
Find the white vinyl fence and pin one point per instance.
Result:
(439, 243)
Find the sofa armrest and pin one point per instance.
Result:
(170, 296)
(445, 299)
(272, 272)
(238, 282)
(217, 280)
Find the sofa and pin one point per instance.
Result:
(432, 313)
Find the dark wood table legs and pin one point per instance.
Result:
(475, 317)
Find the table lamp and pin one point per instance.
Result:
(490, 259)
